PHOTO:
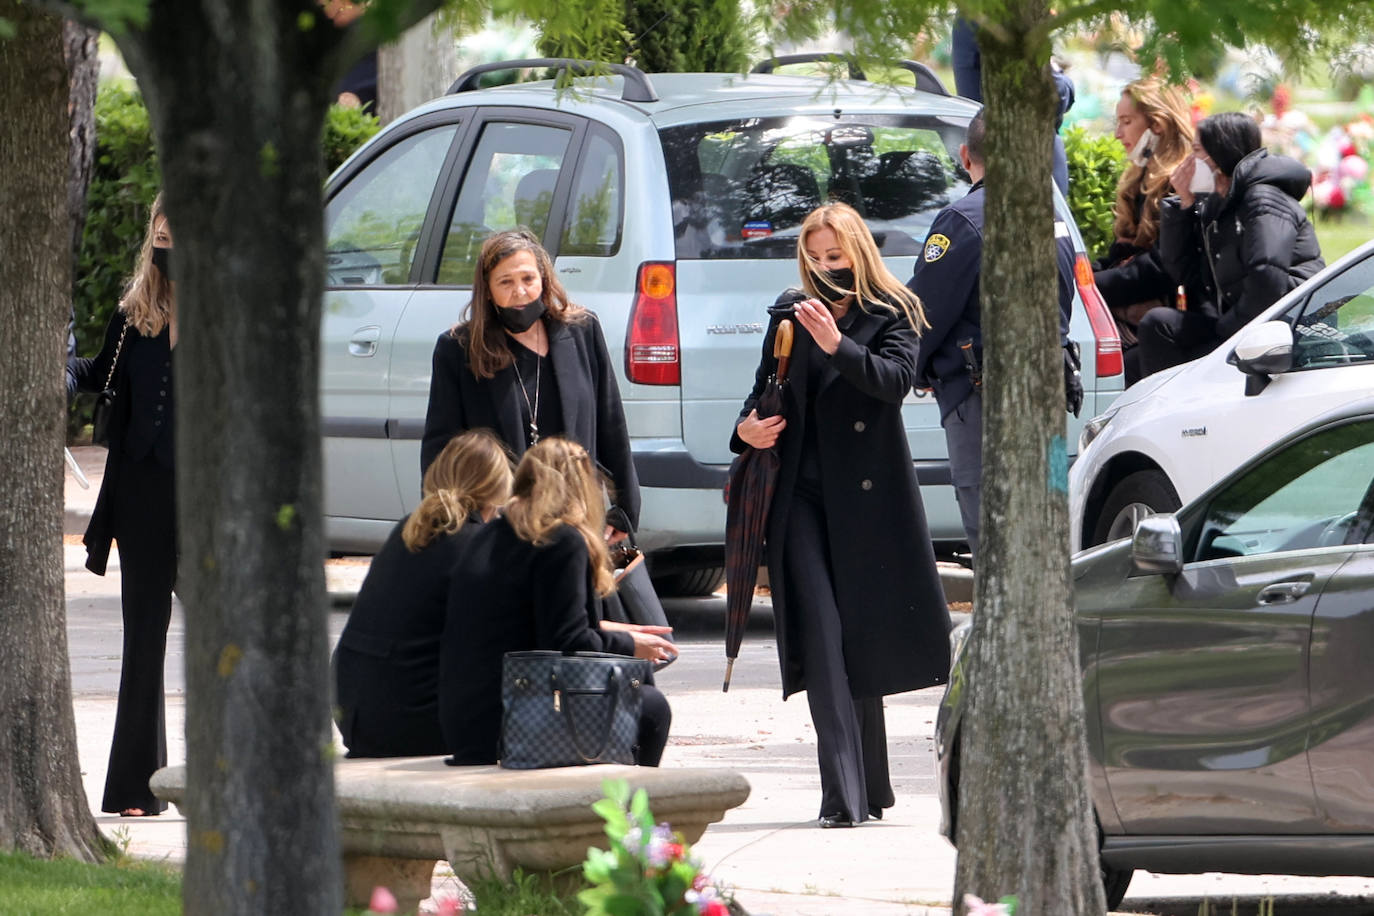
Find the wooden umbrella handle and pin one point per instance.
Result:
(782, 346)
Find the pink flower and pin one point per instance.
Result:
(974, 906)
(383, 901)
(716, 908)
(450, 906)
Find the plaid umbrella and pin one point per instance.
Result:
(753, 476)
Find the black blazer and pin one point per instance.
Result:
(593, 415)
(386, 667)
(893, 613)
(142, 421)
(508, 595)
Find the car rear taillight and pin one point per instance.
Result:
(652, 356)
(1104, 328)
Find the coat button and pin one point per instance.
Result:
(159, 407)
(866, 485)
(859, 426)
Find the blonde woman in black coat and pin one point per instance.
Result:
(529, 580)
(137, 508)
(386, 666)
(527, 363)
(857, 603)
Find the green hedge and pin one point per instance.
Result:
(124, 182)
(1095, 165)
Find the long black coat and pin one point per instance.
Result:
(149, 358)
(507, 595)
(1249, 248)
(894, 616)
(593, 415)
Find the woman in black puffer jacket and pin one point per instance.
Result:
(1237, 231)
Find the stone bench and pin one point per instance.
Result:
(398, 816)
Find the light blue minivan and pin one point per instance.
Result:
(670, 204)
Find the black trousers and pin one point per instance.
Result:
(655, 717)
(1168, 337)
(851, 734)
(145, 529)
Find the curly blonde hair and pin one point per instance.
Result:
(472, 474)
(478, 330)
(874, 284)
(556, 483)
(1166, 112)
(149, 298)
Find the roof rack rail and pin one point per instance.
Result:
(637, 85)
(926, 80)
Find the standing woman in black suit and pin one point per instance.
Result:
(529, 580)
(137, 508)
(528, 363)
(859, 610)
(386, 667)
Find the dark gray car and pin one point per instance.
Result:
(1225, 654)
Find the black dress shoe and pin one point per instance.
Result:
(875, 812)
(835, 820)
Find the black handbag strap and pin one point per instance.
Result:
(565, 711)
(119, 347)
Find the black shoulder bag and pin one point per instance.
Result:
(105, 401)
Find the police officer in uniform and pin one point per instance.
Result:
(951, 357)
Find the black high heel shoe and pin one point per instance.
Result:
(834, 820)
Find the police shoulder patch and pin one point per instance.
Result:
(936, 246)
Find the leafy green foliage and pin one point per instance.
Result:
(346, 129)
(662, 36)
(1095, 165)
(522, 895)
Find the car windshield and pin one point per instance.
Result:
(742, 188)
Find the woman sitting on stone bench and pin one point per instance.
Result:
(386, 667)
(529, 580)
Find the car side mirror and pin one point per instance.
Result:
(1157, 547)
(1262, 351)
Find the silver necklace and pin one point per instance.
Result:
(532, 407)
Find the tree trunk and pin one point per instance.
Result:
(1025, 821)
(43, 808)
(417, 67)
(237, 104)
(81, 49)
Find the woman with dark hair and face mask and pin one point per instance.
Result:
(858, 608)
(1237, 231)
(526, 363)
(137, 508)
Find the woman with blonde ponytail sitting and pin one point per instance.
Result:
(386, 667)
(529, 580)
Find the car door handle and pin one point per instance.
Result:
(1283, 592)
(364, 341)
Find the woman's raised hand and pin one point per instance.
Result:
(760, 433)
(1182, 180)
(820, 324)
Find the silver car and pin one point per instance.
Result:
(671, 206)
(1225, 655)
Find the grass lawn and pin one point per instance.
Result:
(52, 888)
(1340, 236)
(39, 887)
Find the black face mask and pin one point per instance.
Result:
(520, 318)
(162, 261)
(834, 285)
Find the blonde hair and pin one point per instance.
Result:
(472, 474)
(149, 299)
(479, 331)
(874, 284)
(1166, 112)
(556, 483)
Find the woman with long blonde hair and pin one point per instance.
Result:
(529, 580)
(386, 666)
(1154, 125)
(137, 507)
(857, 603)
